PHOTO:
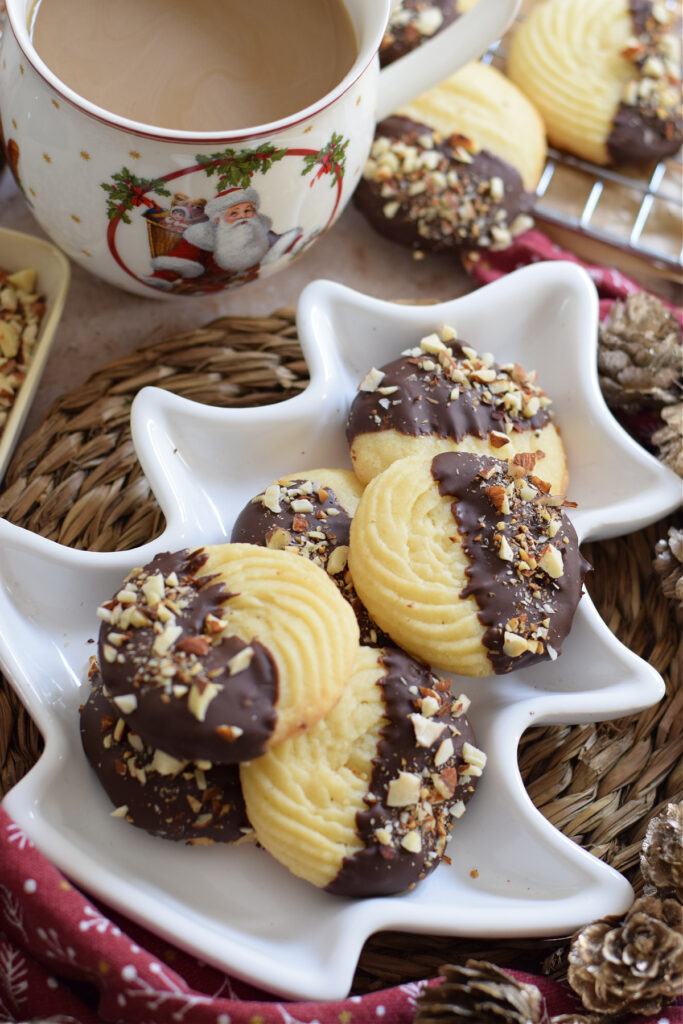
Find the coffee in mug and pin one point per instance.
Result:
(208, 65)
(165, 211)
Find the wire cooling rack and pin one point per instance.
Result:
(639, 212)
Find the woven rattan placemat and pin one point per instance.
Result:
(77, 480)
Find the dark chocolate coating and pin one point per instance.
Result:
(382, 869)
(190, 806)
(454, 218)
(400, 40)
(638, 136)
(244, 701)
(639, 132)
(507, 590)
(256, 522)
(423, 405)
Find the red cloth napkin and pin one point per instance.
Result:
(61, 954)
(535, 247)
(65, 957)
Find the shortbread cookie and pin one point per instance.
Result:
(605, 76)
(413, 22)
(466, 562)
(443, 396)
(217, 652)
(309, 513)
(363, 803)
(450, 172)
(191, 801)
(483, 106)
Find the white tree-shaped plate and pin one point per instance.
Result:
(512, 873)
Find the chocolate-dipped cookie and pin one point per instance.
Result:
(443, 396)
(448, 172)
(467, 562)
(413, 22)
(605, 76)
(215, 653)
(309, 513)
(363, 803)
(189, 801)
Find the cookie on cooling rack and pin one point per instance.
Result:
(466, 562)
(413, 22)
(605, 76)
(363, 803)
(216, 653)
(457, 168)
(309, 513)
(186, 801)
(443, 396)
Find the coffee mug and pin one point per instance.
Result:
(151, 210)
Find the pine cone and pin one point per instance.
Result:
(585, 1018)
(639, 354)
(668, 564)
(479, 993)
(661, 858)
(669, 438)
(633, 964)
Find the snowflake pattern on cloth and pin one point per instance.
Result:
(53, 940)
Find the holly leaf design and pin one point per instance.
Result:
(128, 191)
(331, 159)
(235, 168)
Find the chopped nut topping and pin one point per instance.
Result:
(240, 661)
(404, 790)
(271, 498)
(164, 763)
(21, 315)
(444, 752)
(199, 698)
(371, 381)
(475, 757)
(429, 705)
(551, 561)
(427, 730)
(412, 842)
(656, 87)
(439, 190)
(127, 703)
(338, 560)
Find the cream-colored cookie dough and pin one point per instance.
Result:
(372, 453)
(409, 569)
(305, 793)
(579, 60)
(480, 103)
(293, 608)
(567, 55)
(466, 562)
(433, 399)
(361, 803)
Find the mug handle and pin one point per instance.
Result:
(466, 39)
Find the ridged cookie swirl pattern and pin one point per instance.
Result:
(605, 76)
(363, 803)
(216, 652)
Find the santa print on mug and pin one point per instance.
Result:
(230, 240)
(200, 245)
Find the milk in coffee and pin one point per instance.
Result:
(197, 65)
